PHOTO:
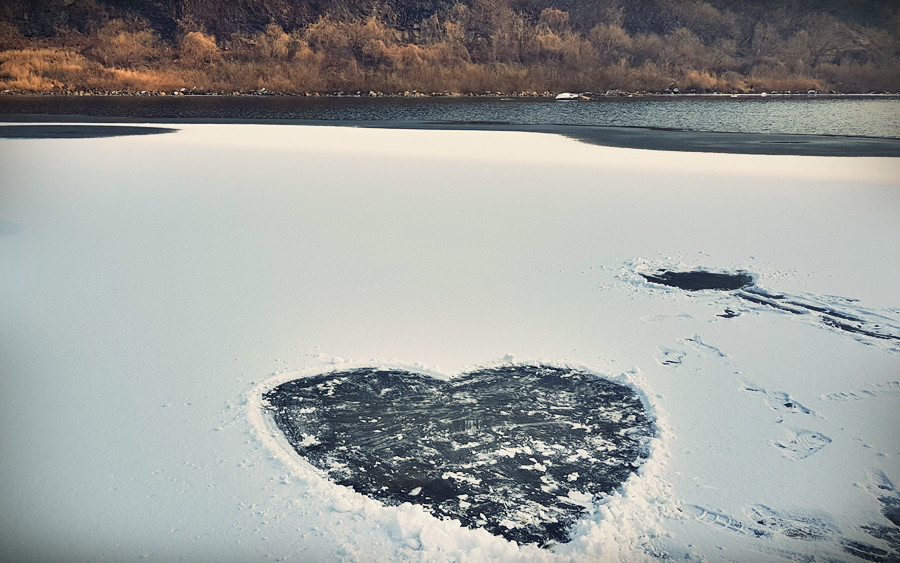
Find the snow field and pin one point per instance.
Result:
(151, 286)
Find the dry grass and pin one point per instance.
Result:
(861, 78)
(42, 70)
(767, 81)
(702, 81)
(403, 68)
(333, 55)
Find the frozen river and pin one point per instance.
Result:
(156, 287)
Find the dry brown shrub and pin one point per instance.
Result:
(198, 48)
(271, 45)
(579, 54)
(649, 48)
(555, 20)
(685, 49)
(547, 45)
(375, 52)
(701, 81)
(722, 56)
(765, 42)
(611, 43)
(136, 80)
(41, 70)
(861, 78)
(707, 21)
(493, 78)
(419, 68)
(826, 38)
(275, 44)
(510, 38)
(125, 44)
(232, 76)
(733, 82)
(328, 36)
(769, 80)
(305, 74)
(648, 77)
(342, 42)
(448, 55)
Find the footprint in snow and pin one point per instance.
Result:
(888, 388)
(670, 357)
(697, 343)
(869, 552)
(801, 444)
(675, 356)
(843, 397)
(869, 326)
(721, 521)
(778, 401)
(793, 526)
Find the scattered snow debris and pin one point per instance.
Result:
(342, 504)
(534, 466)
(579, 498)
(307, 440)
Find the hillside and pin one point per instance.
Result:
(467, 46)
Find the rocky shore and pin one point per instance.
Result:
(582, 96)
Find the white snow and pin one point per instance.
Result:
(151, 288)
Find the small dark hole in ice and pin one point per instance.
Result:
(700, 279)
(521, 451)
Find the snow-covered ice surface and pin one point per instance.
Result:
(154, 288)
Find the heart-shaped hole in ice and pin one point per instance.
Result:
(519, 450)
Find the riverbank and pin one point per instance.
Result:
(501, 50)
(582, 96)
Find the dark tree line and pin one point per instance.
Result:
(737, 19)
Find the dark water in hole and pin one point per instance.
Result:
(520, 451)
(864, 116)
(699, 279)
